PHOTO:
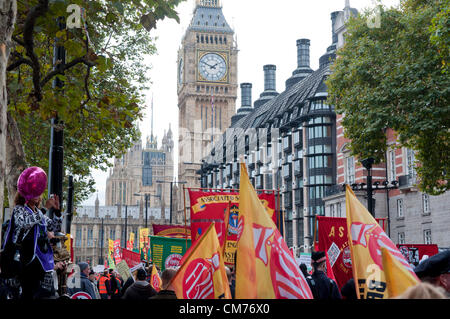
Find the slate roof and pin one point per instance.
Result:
(209, 19)
(275, 111)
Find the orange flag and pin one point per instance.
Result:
(155, 280)
(366, 238)
(202, 274)
(398, 278)
(265, 268)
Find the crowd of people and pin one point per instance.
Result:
(28, 269)
(110, 285)
(433, 272)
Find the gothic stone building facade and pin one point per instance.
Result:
(135, 196)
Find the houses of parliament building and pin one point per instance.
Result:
(137, 195)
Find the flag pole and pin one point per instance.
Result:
(279, 213)
(184, 208)
(315, 231)
(226, 220)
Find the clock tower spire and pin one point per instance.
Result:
(207, 86)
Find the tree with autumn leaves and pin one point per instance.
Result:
(104, 80)
(397, 76)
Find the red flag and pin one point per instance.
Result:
(131, 258)
(117, 251)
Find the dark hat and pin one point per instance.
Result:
(318, 257)
(141, 274)
(434, 266)
(83, 266)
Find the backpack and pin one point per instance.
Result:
(10, 263)
(313, 286)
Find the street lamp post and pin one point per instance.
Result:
(147, 202)
(367, 163)
(171, 192)
(56, 156)
(126, 219)
(369, 187)
(101, 244)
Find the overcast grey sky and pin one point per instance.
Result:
(266, 32)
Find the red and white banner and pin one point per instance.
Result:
(332, 232)
(117, 251)
(131, 258)
(415, 252)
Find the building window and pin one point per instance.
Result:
(332, 211)
(90, 238)
(410, 166)
(427, 237)
(78, 238)
(426, 203)
(400, 211)
(350, 170)
(391, 165)
(401, 238)
(112, 234)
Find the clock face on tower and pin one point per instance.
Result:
(212, 67)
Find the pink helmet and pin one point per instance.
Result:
(32, 183)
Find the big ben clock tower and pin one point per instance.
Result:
(207, 86)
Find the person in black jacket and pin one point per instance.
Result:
(27, 256)
(321, 286)
(348, 291)
(141, 289)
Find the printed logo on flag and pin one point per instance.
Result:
(198, 279)
(233, 221)
(173, 261)
(374, 238)
(155, 282)
(347, 257)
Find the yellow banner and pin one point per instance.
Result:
(202, 274)
(265, 267)
(110, 246)
(398, 278)
(155, 280)
(212, 199)
(366, 238)
(144, 243)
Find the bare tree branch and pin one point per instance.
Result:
(18, 63)
(65, 67)
(28, 40)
